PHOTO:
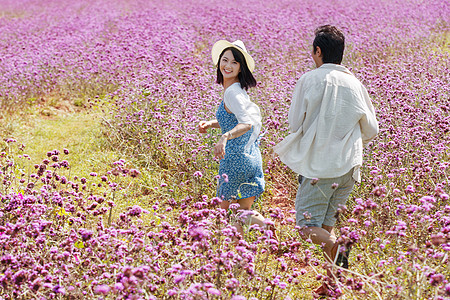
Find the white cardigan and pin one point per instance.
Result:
(331, 118)
(238, 102)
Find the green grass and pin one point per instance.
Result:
(79, 132)
(44, 129)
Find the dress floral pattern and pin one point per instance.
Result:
(241, 174)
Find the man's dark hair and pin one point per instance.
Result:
(245, 76)
(331, 42)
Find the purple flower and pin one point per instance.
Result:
(135, 211)
(199, 233)
(119, 286)
(59, 289)
(436, 279)
(214, 291)
(20, 277)
(232, 284)
(225, 177)
(102, 289)
(447, 289)
(85, 234)
(134, 173)
(410, 189)
(36, 284)
(178, 279)
(314, 181)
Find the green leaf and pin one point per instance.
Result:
(62, 212)
(79, 244)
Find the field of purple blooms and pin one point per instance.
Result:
(148, 227)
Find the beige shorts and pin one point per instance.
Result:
(317, 204)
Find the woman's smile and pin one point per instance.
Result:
(229, 67)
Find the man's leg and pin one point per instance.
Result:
(338, 200)
(311, 205)
(316, 206)
(323, 237)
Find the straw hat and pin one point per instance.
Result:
(239, 45)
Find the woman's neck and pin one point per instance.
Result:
(228, 83)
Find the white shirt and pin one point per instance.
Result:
(331, 118)
(238, 102)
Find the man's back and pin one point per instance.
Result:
(329, 109)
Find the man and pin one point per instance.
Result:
(331, 119)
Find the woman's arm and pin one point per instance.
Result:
(237, 101)
(204, 125)
(237, 131)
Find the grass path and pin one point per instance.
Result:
(79, 132)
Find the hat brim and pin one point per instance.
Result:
(221, 45)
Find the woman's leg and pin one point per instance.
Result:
(249, 217)
(245, 203)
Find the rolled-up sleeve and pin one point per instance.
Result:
(237, 103)
(246, 112)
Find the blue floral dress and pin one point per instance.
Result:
(241, 174)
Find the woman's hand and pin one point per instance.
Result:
(203, 126)
(219, 148)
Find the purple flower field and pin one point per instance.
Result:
(149, 227)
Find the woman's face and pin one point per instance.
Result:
(229, 67)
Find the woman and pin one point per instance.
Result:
(241, 176)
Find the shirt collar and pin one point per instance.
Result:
(336, 67)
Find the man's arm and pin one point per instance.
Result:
(368, 123)
(297, 111)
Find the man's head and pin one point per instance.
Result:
(328, 45)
